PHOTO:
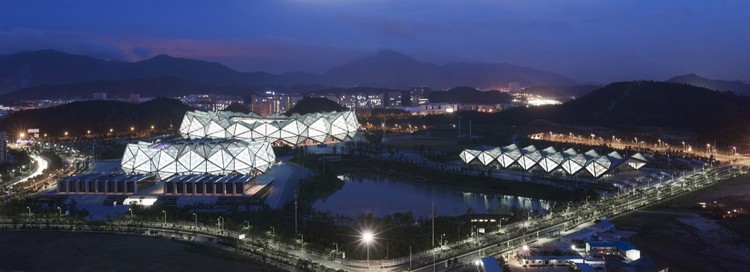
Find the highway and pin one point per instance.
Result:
(41, 165)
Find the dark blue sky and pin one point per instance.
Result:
(590, 41)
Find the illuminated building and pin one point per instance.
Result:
(549, 160)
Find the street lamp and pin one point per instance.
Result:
(441, 239)
(131, 213)
(302, 237)
(59, 212)
(273, 232)
(368, 238)
(195, 216)
(165, 216)
(29, 210)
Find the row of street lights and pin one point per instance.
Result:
(22, 135)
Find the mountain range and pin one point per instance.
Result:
(386, 69)
(736, 86)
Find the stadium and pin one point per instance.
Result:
(277, 129)
(198, 156)
(549, 160)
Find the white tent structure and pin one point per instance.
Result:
(549, 159)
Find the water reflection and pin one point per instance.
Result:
(383, 196)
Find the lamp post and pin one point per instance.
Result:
(131, 213)
(302, 237)
(441, 240)
(165, 216)
(27, 207)
(337, 250)
(367, 238)
(59, 211)
(195, 218)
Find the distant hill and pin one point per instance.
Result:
(391, 69)
(162, 86)
(98, 116)
(50, 67)
(573, 91)
(737, 87)
(386, 69)
(351, 90)
(712, 115)
(469, 95)
(313, 105)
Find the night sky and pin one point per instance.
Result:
(589, 41)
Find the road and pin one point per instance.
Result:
(41, 165)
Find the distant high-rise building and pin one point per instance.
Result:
(100, 96)
(375, 100)
(419, 95)
(3, 146)
(393, 99)
(272, 102)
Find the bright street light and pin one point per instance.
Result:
(368, 238)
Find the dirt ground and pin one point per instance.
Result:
(60, 251)
(676, 235)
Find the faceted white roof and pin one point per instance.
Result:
(550, 159)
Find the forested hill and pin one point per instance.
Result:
(98, 116)
(712, 115)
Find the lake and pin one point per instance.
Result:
(383, 196)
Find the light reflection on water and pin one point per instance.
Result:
(382, 196)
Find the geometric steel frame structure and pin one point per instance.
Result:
(211, 156)
(292, 130)
(225, 142)
(550, 159)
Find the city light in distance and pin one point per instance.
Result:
(543, 101)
